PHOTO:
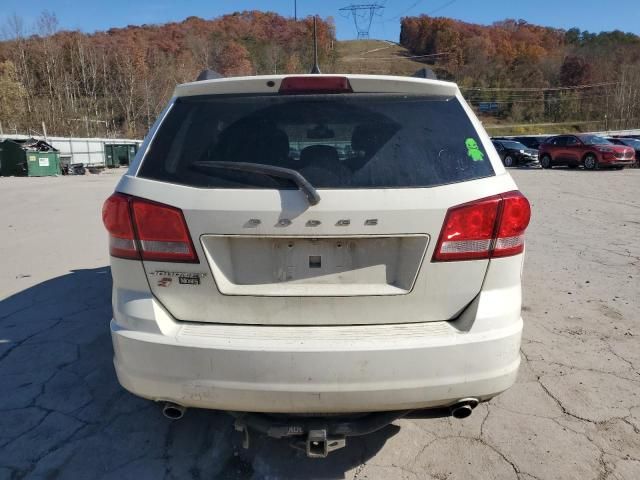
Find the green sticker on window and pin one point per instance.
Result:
(473, 151)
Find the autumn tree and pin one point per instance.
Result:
(116, 82)
(574, 71)
(533, 73)
(11, 94)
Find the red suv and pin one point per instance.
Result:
(591, 151)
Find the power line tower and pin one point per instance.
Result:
(362, 15)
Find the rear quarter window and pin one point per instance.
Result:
(334, 141)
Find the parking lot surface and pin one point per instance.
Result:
(573, 414)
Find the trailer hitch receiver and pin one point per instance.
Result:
(319, 445)
(317, 436)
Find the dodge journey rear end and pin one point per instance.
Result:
(346, 249)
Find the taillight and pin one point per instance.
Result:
(468, 231)
(162, 232)
(144, 229)
(117, 220)
(486, 228)
(314, 84)
(514, 219)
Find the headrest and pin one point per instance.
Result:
(319, 155)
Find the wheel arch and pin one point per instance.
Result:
(589, 152)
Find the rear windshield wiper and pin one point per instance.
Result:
(277, 172)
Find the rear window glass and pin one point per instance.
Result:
(334, 141)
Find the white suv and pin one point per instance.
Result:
(340, 249)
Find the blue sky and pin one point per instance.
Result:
(90, 15)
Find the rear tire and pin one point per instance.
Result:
(508, 161)
(545, 161)
(590, 162)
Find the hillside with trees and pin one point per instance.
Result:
(523, 73)
(116, 82)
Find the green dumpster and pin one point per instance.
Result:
(43, 164)
(117, 154)
(33, 158)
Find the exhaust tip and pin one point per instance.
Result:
(173, 411)
(463, 408)
(462, 411)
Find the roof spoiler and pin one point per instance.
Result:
(425, 73)
(208, 75)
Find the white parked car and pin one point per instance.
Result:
(375, 274)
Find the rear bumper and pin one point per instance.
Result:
(317, 369)
(307, 369)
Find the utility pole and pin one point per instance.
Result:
(295, 10)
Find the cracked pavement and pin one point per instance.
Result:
(574, 412)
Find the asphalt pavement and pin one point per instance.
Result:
(574, 412)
